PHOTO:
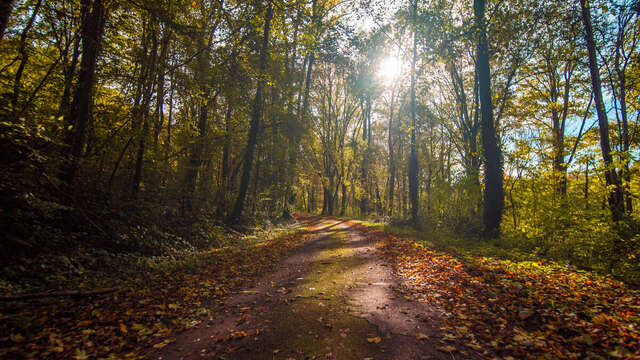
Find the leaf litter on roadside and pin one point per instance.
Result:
(126, 323)
(520, 309)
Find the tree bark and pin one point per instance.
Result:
(493, 191)
(343, 205)
(24, 56)
(256, 114)
(224, 166)
(69, 72)
(392, 164)
(161, 91)
(93, 20)
(6, 7)
(143, 112)
(195, 155)
(615, 196)
(413, 157)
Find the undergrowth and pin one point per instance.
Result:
(591, 251)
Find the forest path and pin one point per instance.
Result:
(334, 298)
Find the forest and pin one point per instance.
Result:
(159, 157)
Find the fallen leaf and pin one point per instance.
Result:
(447, 348)
(17, 338)
(374, 340)
(525, 314)
(80, 355)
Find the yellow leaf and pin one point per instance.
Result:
(238, 335)
(80, 355)
(422, 336)
(374, 340)
(123, 328)
(447, 348)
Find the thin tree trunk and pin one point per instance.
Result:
(586, 186)
(364, 203)
(305, 101)
(413, 157)
(24, 56)
(195, 154)
(312, 198)
(69, 72)
(254, 198)
(144, 112)
(170, 118)
(224, 166)
(195, 158)
(117, 165)
(255, 121)
(159, 113)
(392, 164)
(343, 205)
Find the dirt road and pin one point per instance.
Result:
(334, 298)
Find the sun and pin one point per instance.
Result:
(390, 69)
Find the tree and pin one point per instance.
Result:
(93, 20)
(493, 172)
(615, 197)
(413, 156)
(256, 114)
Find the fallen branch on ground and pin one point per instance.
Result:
(59, 294)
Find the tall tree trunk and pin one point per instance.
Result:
(493, 191)
(364, 203)
(331, 193)
(343, 205)
(312, 198)
(143, 112)
(586, 186)
(24, 56)
(413, 156)
(305, 102)
(256, 114)
(170, 118)
(69, 72)
(224, 166)
(392, 164)
(254, 198)
(622, 100)
(558, 119)
(6, 7)
(161, 91)
(93, 20)
(195, 155)
(615, 197)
